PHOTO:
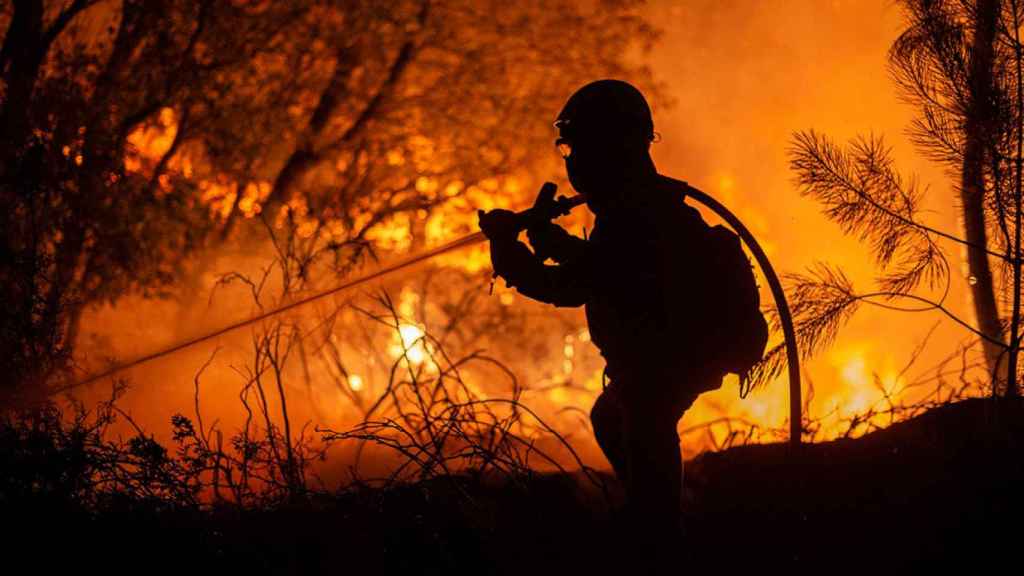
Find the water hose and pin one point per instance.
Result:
(779, 295)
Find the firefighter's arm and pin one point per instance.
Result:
(562, 285)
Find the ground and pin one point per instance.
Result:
(939, 489)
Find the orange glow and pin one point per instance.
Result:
(410, 343)
(149, 142)
(742, 78)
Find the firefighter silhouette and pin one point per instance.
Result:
(642, 298)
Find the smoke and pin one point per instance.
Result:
(742, 77)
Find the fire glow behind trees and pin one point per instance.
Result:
(241, 153)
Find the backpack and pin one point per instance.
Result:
(737, 332)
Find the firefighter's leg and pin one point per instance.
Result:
(608, 420)
(653, 478)
(654, 468)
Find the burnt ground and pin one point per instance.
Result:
(935, 491)
(940, 489)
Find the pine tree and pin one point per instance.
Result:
(959, 63)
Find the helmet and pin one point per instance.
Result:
(610, 107)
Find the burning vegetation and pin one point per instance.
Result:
(168, 167)
(209, 161)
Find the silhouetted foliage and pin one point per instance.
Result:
(959, 63)
(62, 475)
(439, 425)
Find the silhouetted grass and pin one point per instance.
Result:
(465, 496)
(934, 488)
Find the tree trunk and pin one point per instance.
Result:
(972, 187)
(20, 59)
(1011, 370)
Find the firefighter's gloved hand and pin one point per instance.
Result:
(500, 225)
(546, 196)
(544, 237)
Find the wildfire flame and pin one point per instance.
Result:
(730, 134)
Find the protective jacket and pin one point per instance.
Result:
(638, 276)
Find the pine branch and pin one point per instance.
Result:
(864, 194)
(821, 302)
